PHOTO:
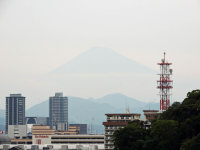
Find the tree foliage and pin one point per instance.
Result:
(131, 137)
(175, 129)
(191, 144)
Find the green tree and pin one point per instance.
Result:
(130, 137)
(192, 144)
(181, 112)
(178, 127)
(166, 134)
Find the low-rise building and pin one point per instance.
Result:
(4, 139)
(77, 139)
(24, 140)
(41, 134)
(68, 139)
(82, 127)
(42, 130)
(73, 130)
(17, 131)
(150, 114)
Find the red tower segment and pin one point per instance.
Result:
(165, 84)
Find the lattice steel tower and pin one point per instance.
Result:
(165, 84)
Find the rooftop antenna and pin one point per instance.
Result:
(164, 57)
(127, 110)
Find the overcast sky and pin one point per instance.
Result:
(37, 36)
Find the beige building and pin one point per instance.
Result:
(73, 130)
(113, 123)
(41, 134)
(70, 140)
(17, 131)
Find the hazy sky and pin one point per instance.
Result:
(37, 36)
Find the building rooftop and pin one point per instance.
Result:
(133, 114)
(4, 139)
(150, 110)
(59, 94)
(15, 95)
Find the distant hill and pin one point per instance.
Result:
(80, 110)
(121, 102)
(102, 60)
(90, 111)
(84, 110)
(41, 109)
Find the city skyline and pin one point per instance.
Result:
(99, 75)
(41, 40)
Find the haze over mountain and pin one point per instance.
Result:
(102, 60)
(90, 111)
(35, 41)
(120, 101)
(93, 110)
(100, 71)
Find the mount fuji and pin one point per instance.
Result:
(102, 60)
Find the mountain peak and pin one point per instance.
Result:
(115, 95)
(102, 60)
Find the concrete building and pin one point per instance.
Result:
(73, 130)
(15, 110)
(58, 112)
(45, 138)
(150, 114)
(25, 140)
(30, 121)
(77, 139)
(42, 130)
(41, 134)
(82, 127)
(68, 139)
(5, 139)
(113, 123)
(17, 131)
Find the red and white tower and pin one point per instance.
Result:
(165, 84)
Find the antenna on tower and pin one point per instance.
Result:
(165, 84)
(164, 56)
(127, 110)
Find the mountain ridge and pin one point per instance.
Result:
(111, 103)
(92, 111)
